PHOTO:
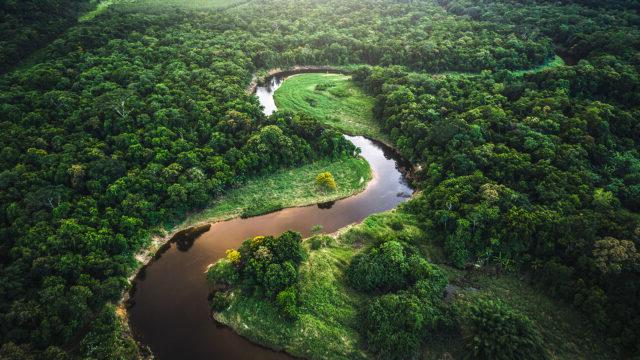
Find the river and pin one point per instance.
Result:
(171, 314)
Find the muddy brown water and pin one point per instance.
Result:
(171, 314)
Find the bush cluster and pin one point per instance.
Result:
(409, 302)
(264, 267)
(493, 330)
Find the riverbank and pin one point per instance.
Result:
(260, 77)
(263, 194)
(287, 188)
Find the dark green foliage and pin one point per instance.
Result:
(533, 170)
(269, 265)
(493, 330)
(287, 302)
(278, 277)
(219, 301)
(389, 266)
(124, 128)
(382, 269)
(140, 115)
(394, 325)
(25, 25)
(108, 339)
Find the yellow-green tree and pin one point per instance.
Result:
(325, 181)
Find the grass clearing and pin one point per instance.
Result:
(556, 61)
(287, 188)
(333, 99)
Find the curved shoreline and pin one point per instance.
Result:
(409, 169)
(296, 69)
(179, 273)
(161, 243)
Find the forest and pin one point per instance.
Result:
(124, 124)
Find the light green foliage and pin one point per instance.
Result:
(319, 241)
(223, 272)
(331, 98)
(100, 6)
(325, 182)
(287, 188)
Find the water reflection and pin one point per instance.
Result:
(326, 205)
(265, 94)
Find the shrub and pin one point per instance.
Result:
(278, 277)
(393, 325)
(311, 101)
(324, 85)
(396, 225)
(316, 229)
(260, 208)
(326, 182)
(320, 241)
(456, 251)
(223, 272)
(287, 247)
(493, 330)
(287, 301)
(382, 268)
(233, 256)
(269, 264)
(219, 301)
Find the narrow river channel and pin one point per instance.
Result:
(171, 314)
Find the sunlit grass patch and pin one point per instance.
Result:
(333, 99)
(287, 188)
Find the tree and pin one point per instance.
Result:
(394, 325)
(493, 330)
(615, 256)
(325, 182)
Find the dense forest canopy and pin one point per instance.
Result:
(26, 25)
(140, 115)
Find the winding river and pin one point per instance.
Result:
(171, 314)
